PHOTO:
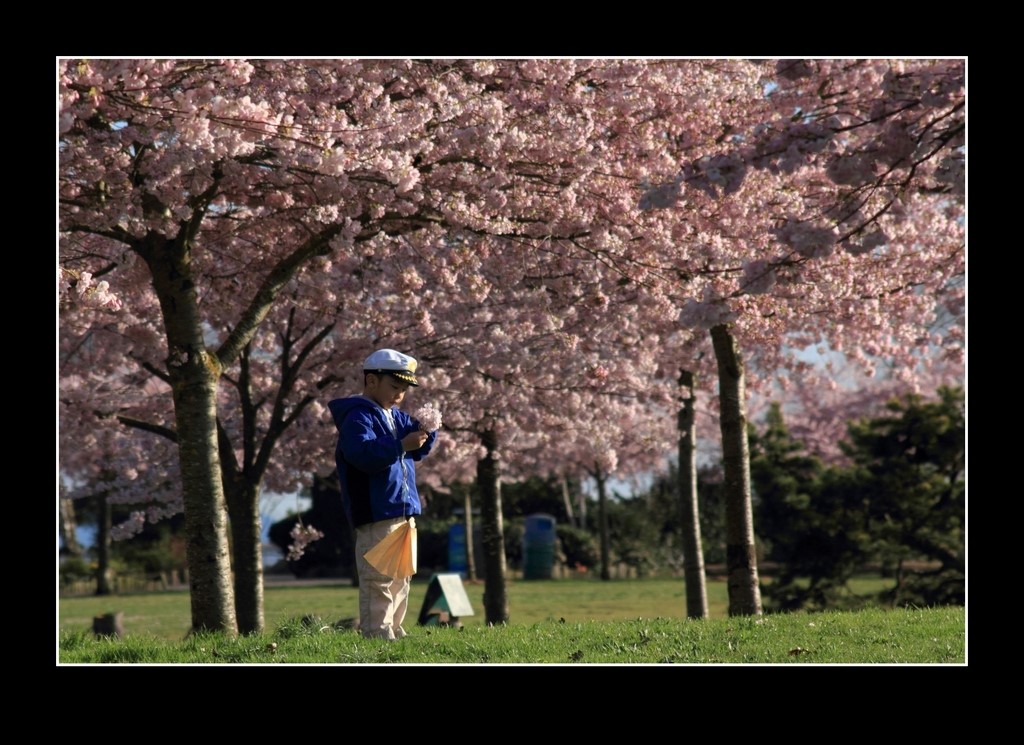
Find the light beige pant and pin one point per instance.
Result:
(383, 600)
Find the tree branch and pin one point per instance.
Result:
(156, 429)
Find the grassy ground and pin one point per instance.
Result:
(551, 622)
(167, 615)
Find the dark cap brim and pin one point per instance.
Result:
(404, 377)
(399, 374)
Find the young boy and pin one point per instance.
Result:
(378, 445)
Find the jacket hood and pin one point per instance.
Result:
(340, 407)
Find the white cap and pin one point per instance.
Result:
(402, 366)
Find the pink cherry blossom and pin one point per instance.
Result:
(302, 536)
(429, 418)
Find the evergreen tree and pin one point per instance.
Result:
(912, 467)
(804, 516)
(900, 505)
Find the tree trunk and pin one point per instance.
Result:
(693, 552)
(104, 574)
(209, 562)
(567, 499)
(602, 516)
(470, 552)
(582, 504)
(194, 373)
(243, 501)
(69, 527)
(741, 557)
(495, 595)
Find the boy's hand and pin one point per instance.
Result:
(414, 440)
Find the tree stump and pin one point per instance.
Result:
(110, 624)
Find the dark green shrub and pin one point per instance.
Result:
(579, 547)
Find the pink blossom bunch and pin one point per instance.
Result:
(130, 527)
(80, 287)
(302, 536)
(429, 417)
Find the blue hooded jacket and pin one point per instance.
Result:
(378, 479)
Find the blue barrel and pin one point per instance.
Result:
(539, 546)
(458, 560)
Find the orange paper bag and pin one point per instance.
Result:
(395, 555)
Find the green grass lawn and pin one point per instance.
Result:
(166, 615)
(558, 621)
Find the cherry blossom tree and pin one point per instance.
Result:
(873, 152)
(553, 239)
(226, 180)
(209, 189)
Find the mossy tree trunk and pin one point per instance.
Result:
(489, 483)
(602, 518)
(104, 572)
(741, 556)
(467, 502)
(567, 500)
(69, 527)
(194, 371)
(243, 498)
(693, 550)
